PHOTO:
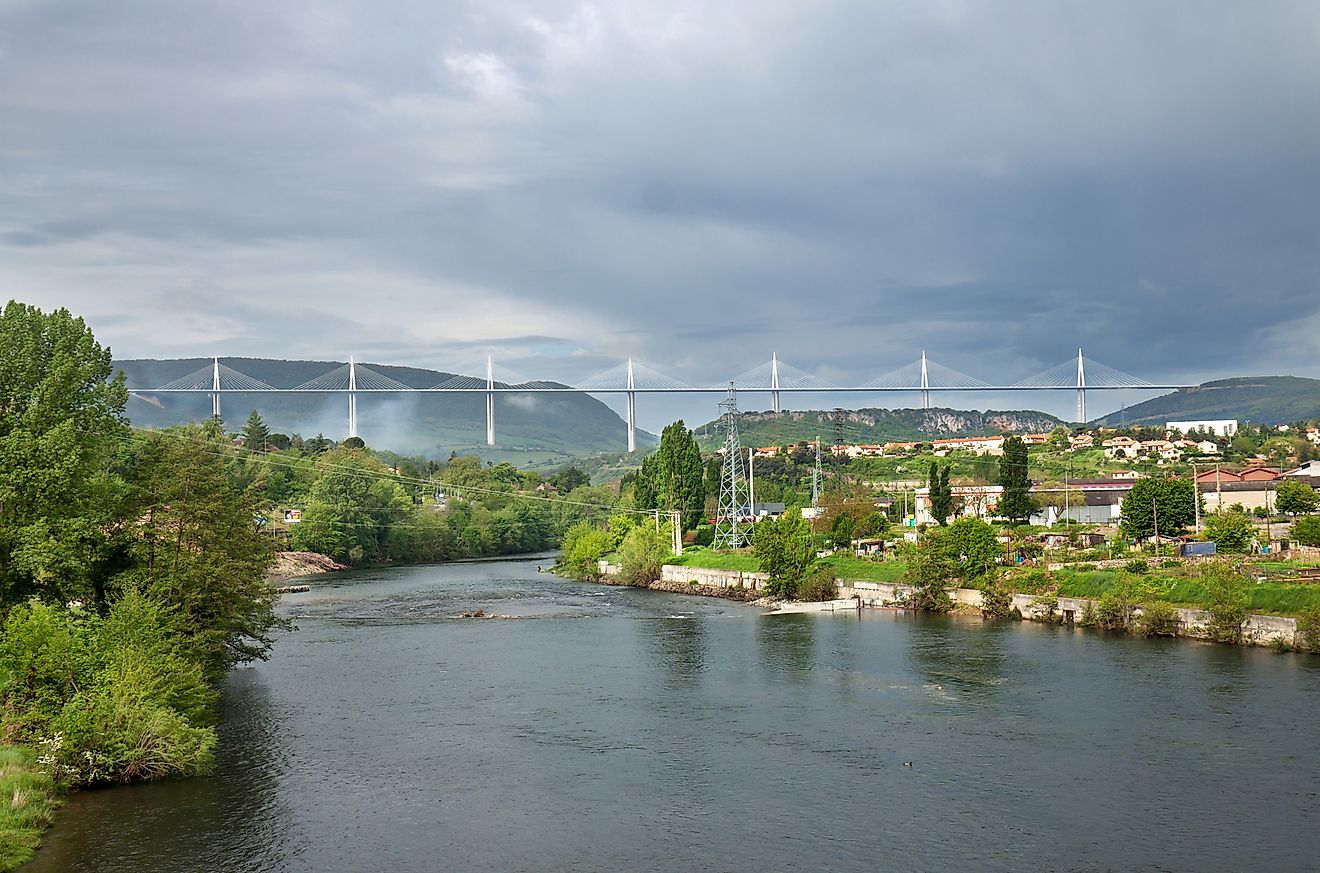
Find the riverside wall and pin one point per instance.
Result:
(1260, 630)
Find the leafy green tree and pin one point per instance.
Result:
(1015, 501)
(352, 507)
(1307, 530)
(1231, 532)
(1295, 498)
(584, 546)
(1170, 502)
(196, 545)
(61, 423)
(671, 477)
(255, 434)
(784, 551)
(941, 495)
(973, 545)
(643, 552)
(841, 531)
(930, 568)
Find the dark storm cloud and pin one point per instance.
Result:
(697, 185)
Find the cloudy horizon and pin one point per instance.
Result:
(562, 185)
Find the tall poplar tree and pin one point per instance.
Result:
(941, 495)
(671, 476)
(1015, 502)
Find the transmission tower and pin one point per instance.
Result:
(729, 533)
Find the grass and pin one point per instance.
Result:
(847, 566)
(1266, 598)
(28, 799)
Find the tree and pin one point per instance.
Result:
(672, 477)
(1015, 502)
(1169, 502)
(941, 495)
(1307, 530)
(352, 507)
(643, 552)
(1229, 598)
(972, 545)
(584, 546)
(255, 434)
(929, 569)
(61, 424)
(1295, 498)
(195, 545)
(784, 551)
(1231, 532)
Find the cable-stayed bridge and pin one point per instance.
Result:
(774, 377)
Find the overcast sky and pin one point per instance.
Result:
(695, 184)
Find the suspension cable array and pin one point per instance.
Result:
(631, 378)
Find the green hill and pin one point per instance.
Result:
(1258, 399)
(873, 425)
(529, 428)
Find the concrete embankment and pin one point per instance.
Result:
(1260, 630)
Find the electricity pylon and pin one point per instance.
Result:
(730, 533)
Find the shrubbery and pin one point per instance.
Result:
(113, 699)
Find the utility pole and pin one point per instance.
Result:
(751, 482)
(1155, 519)
(1196, 500)
(728, 534)
(815, 479)
(676, 522)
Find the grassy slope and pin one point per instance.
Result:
(28, 800)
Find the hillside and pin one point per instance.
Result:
(1258, 399)
(528, 427)
(873, 425)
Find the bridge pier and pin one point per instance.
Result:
(215, 388)
(632, 410)
(352, 398)
(774, 382)
(1081, 389)
(490, 401)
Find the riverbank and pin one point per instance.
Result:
(295, 565)
(28, 799)
(1258, 630)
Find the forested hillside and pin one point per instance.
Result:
(873, 425)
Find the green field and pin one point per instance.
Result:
(1268, 598)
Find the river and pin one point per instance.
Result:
(618, 729)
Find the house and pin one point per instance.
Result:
(1218, 475)
(1121, 447)
(900, 448)
(988, 445)
(1313, 434)
(857, 451)
(1125, 474)
(1250, 494)
(1080, 441)
(764, 511)
(1260, 474)
(767, 452)
(1308, 473)
(1208, 447)
(1036, 439)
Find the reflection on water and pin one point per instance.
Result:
(612, 729)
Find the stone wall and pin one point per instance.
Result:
(1261, 630)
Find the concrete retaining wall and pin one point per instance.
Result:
(1261, 630)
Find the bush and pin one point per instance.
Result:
(1158, 618)
(1308, 630)
(705, 536)
(1089, 616)
(1231, 532)
(1226, 590)
(107, 700)
(1307, 530)
(583, 548)
(821, 585)
(642, 553)
(1137, 565)
(996, 601)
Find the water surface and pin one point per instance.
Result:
(614, 729)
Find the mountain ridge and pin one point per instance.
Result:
(528, 427)
(1258, 399)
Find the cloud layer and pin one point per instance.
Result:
(694, 184)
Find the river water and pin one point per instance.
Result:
(617, 729)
